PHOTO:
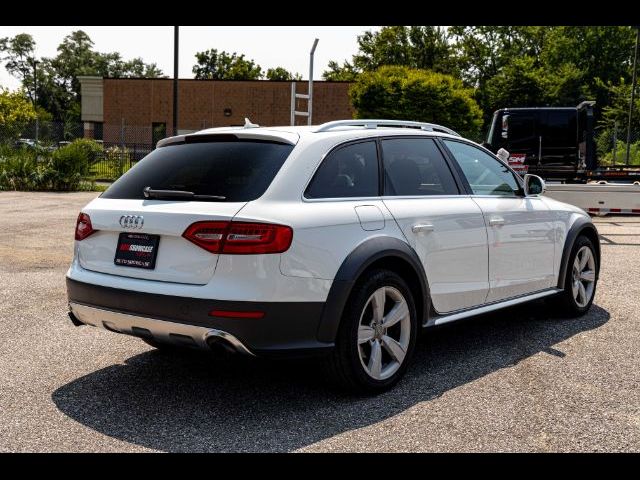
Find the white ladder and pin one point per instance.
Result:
(294, 96)
(305, 96)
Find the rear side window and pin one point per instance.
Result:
(415, 166)
(239, 170)
(349, 171)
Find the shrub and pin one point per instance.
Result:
(20, 170)
(91, 149)
(71, 163)
(396, 92)
(40, 169)
(115, 161)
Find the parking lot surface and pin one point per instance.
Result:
(518, 380)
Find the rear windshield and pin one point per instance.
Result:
(239, 170)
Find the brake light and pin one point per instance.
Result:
(83, 227)
(207, 235)
(246, 238)
(240, 238)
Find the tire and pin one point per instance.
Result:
(580, 280)
(352, 364)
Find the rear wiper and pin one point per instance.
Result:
(178, 194)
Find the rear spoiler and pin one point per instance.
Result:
(287, 138)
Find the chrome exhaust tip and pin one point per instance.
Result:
(219, 339)
(74, 319)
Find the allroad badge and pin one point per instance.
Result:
(132, 221)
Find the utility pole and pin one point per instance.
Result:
(310, 91)
(35, 96)
(175, 79)
(633, 92)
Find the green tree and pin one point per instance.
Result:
(340, 73)
(19, 58)
(58, 88)
(614, 123)
(282, 74)
(424, 47)
(212, 65)
(518, 84)
(16, 112)
(601, 55)
(417, 47)
(396, 92)
(482, 51)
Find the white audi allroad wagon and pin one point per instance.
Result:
(341, 240)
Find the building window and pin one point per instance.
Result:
(97, 130)
(158, 132)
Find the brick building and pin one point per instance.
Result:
(139, 111)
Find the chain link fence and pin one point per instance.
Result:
(611, 145)
(122, 145)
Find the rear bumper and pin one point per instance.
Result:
(286, 328)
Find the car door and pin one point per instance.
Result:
(520, 229)
(445, 227)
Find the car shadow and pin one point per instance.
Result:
(193, 402)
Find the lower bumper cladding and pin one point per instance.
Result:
(158, 330)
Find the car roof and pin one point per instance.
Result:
(292, 134)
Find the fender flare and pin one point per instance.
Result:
(363, 256)
(581, 225)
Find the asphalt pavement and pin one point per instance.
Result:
(518, 380)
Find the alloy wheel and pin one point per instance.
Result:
(384, 332)
(584, 276)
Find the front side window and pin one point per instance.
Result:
(349, 171)
(415, 167)
(485, 174)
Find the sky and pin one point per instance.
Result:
(286, 46)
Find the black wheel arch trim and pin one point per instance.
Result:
(353, 266)
(579, 226)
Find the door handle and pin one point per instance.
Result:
(422, 227)
(496, 221)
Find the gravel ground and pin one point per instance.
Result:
(519, 380)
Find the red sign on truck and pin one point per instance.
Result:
(516, 161)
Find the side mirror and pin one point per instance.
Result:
(533, 185)
(505, 126)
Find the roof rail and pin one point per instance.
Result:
(369, 123)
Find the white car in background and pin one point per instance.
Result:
(341, 240)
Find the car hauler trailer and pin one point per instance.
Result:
(557, 144)
(598, 199)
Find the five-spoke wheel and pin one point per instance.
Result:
(581, 279)
(384, 332)
(377, 333)
(584, 276)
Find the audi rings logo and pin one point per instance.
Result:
(132, 221)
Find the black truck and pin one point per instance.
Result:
(556, 143)
(553, 142)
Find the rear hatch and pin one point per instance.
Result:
(196, 178)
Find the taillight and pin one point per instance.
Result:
(240, 238)
(246, 238)
(207, 235)
(83, 227)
